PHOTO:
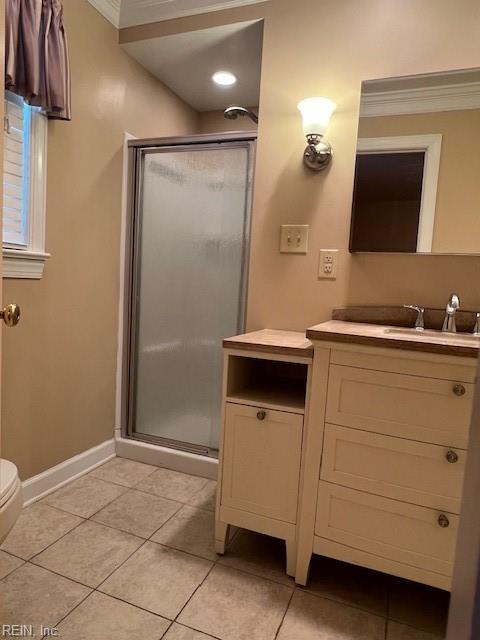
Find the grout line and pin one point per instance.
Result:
(121, 564)
(284, 614)
(195, 590)
(207, 635)
(135, 606)
(35, 555)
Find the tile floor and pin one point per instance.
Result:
(126, 552)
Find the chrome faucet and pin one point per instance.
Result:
(419, 322)
(476, 328)
(453, 305)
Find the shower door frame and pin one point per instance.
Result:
(137, 149)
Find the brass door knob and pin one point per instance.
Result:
(10, 314)
(459, 390)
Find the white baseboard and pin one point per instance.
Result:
(170, 458)
(44, 483)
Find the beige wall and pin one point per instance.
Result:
(215, 122)
(358, 41)
(457, 219)
(59, 363)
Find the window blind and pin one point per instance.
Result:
(15, 172)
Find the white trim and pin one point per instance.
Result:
(159, 456)
(29, 262)
(52, 479)
(453, 97)
(432, 145)
(148, 11)
(110, 9)
(18, 263)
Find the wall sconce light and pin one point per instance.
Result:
(316, 113)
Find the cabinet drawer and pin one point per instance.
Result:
(395, 468)
(261, 461)
(413, 407)
(387, 528)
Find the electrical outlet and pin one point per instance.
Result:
(294, 238)
(328, 264)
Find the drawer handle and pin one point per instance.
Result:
(459, 390)
(443, 521)
(452, 457)
(261, 415)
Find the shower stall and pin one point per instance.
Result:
(186, 276)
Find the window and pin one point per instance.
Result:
(24, 186)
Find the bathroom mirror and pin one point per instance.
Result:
(417, 172)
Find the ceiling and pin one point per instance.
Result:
(185, 62)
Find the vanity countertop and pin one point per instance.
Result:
(290, 343)
(455, 344)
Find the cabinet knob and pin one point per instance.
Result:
(459, 389)
(261, 415)
(452, 456)
(443, 521)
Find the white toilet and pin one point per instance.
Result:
(11, 499)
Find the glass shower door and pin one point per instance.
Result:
(190, 280)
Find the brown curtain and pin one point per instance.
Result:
(36, 55)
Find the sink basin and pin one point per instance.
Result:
(433, 335)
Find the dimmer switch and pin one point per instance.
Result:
(294, 238)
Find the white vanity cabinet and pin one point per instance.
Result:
(266, 385)
(385, 449)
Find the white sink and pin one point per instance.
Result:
(432, 334)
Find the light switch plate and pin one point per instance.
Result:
(294, 238)
(328, 264)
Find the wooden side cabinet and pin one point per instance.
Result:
(266, 385)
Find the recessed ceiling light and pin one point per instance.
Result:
(224, 78)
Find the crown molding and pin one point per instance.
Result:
(137, 12)
(425, 100)
(110, 9)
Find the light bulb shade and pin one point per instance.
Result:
(316, 113)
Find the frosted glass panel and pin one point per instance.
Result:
(192, 245)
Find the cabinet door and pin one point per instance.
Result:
(416, 472)
(261, 461)
(424, 409)
(416, 536)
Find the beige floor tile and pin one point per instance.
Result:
(312, 618)
(34, 596)
(137, 512)
(233, 605)
(89, 553)
(179, 632)
(258, 554)
(158, 579)
(350, 584)
(205, 498)
(85, 496)
(397, 631)
(37, 527)
(100, 617)
(191, 530)
(122, 471)
(8, 564)
(172, 484)
(418, 605)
